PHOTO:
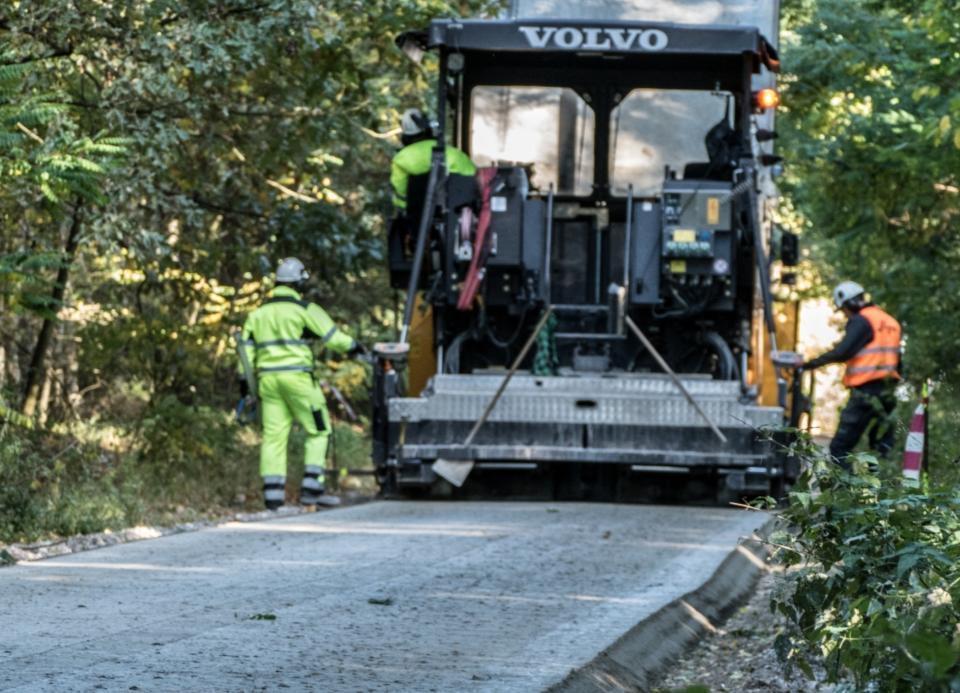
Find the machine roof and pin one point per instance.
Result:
(576, 37)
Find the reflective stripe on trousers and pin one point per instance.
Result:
(273, 489)
(312, 486)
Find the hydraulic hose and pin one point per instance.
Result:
(728, 364)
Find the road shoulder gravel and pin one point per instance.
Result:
(740, 655)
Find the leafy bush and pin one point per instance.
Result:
(195, 455)
(876, 579)
(56, 486)
(185, 459)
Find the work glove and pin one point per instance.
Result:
(356, 350)
(244, 388)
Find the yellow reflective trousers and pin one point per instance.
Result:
(285, 398)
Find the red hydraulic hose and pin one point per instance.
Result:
(481, 245)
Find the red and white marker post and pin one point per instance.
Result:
(915, 450)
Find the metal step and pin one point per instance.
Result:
(628, 401)
(612, 384)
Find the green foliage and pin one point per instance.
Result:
(247, 133)
(350, 446)
(55, 486)
(182, 457)
(194, 455)
(42, 142)
(871, 135)
(194, 144)
(875, 581)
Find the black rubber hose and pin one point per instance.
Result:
(728, 364)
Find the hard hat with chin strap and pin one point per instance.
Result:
(413, 122)
(291, 271)
(846, 291)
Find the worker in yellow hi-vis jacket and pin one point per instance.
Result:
(277, 341)
(416, 156)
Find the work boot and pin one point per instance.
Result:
(317, 497)
(273, 491)
(311, 489)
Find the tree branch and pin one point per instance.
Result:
(29, 133)
(291, 193)
(215, 207)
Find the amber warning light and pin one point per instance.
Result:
(766, 98)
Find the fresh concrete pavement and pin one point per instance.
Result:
(400, 596)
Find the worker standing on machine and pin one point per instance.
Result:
(871, 349)
(414, 159)
(277, 341)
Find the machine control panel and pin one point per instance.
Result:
(696, 249)
(687, 242)
(696, 240)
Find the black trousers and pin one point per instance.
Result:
(868, 410)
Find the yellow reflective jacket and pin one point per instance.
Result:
(414, 160)
(280, 334)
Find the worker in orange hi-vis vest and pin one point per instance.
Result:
(871, 349)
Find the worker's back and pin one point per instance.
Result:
(277, 329)
(282, 330)
(414, 160)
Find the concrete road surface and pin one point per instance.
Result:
(398, 596)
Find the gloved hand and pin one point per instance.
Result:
(356, 350)
(244, 387)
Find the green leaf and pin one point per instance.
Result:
(934, 650)
(801, 497)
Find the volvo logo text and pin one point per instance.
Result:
(595, 38)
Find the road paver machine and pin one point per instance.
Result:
(623, 188)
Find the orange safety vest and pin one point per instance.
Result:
(880, 358)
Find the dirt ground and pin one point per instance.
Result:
(740, 655)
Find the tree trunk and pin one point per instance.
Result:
(43, 410)
(71, 370)
(34, 379)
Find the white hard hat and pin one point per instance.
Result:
(845, 291)
(413, 122)
(291, 271)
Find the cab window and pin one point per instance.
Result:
(654, 128)
(550, 130)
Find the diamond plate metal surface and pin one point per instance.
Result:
(623, 384)
(586, 406)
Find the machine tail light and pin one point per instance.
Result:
(766, 99)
